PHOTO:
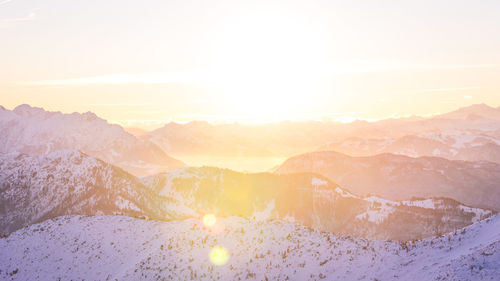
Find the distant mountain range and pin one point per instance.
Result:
(35, 188)
(34, 131)
(470, 147)
(399, 177)
(121, 248)
(470, 133)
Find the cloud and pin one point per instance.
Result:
(458, 89)
(118, 104)
(117, 79)
(30, 17)
(368, 66)
(5, 2)
(232, 77)
(459, 66)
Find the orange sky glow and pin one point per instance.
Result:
(249, 62)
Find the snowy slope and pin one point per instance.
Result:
(310, 200)
(400, 177)
(34, 131)
(122, 248)
(35, 188)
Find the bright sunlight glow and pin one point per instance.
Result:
(219, 255)
(209, 220)
(268, 62)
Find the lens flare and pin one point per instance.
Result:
(209, 220)
(218, 255)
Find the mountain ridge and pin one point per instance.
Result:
(34, 188)
(34, 131)
(400, 177)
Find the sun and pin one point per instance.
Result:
(268, 67)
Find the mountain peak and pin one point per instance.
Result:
(480, 110)
(45, 131)
(479, 106)
(90, 116)
(26, 110)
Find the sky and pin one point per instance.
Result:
(146, 63)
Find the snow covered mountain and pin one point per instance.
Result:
(471, 133)
(34, 131)
(400, 177)
(309, 200)
(122, 248)
(35, 188)
(465, 146)
(473, 111)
